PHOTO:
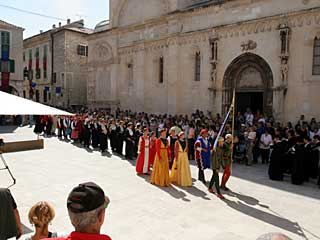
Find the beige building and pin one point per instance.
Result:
(11, 45)
(176, 56)
(55, 65)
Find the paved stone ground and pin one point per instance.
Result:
(139, 210)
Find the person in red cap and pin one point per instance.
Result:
(202, 154)
(87, 205)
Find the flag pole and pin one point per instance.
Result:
(233, 107)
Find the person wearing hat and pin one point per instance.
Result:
(216, 162)
(87, 205)
(227, 161)
(180, 172)
(202, 154)
(160, 171)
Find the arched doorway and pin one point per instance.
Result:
(252, 78)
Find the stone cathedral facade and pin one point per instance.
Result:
(175, 56)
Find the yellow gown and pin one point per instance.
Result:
(160, 172)
(180, 173)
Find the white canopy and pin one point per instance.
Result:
(14, 105)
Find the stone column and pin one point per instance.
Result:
(172, 70)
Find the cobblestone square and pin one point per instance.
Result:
(139, 210)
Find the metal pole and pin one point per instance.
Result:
(7, 168)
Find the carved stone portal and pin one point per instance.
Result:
(248, 45)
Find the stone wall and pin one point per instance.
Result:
(239, 27)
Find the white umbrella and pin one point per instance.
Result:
(14, 105)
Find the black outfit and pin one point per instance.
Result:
(8, 224)
(289, 155)
(113, 138)
(172, 145)
(276, 165)
(119, 139)
(86, 135)
(38, 128)
(103, 140)
(315, 156)
(129, 145)
(307, 157)
(297, 176)
(95, 136)
(215, 180)
(191, 142)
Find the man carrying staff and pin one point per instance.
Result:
(227, 161)
(202, 154)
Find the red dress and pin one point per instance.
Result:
(143, 161)
(153, 150)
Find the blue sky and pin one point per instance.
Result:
(92, 11)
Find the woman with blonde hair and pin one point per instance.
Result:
(41, 215)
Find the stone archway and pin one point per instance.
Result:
(249, 74)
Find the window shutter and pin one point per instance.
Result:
(87, 50)
(12, 66)
(78, 49)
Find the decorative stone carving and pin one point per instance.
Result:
(284, 53)
(248, 45)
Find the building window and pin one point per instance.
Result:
(38, 73)
(7, 66)
(5, 38)
(82, 50)
(37, 96)
(197, 66)
(130, 74)
(316, 57)
(161, 72)
(30, 54)
(37, 53)
(45, 49)
(24, 56)
(54, 77)
(45, 96)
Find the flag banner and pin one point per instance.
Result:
(47, 89)
(58, 90)
(33, 84)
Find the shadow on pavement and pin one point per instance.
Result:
(195, 192)
(269, 218)
(7, 129)
(258, 174)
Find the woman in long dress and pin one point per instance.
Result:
(153, 140)
(180, 173)
(143, 161)
(160, 173)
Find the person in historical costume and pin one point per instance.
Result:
(95, 134)
(276, 159)
(227, 161)
(180, 173)
(80, 129)
(143, 161)
(202, 154)
(160, 173)
(74, 130)
(191, 141)
(129, 137)
(113, 135)
(103, 140)
(307, 157)
(153, 140)
(216, 162)
(87, 133)
(67, 126)
(297, 176)
(137, 133)
(120, 136)
(315, 159)
(172, 140)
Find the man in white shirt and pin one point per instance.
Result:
(265, 142)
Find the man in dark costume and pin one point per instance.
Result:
(95, 134)
(129, 137)
(275, 167)
(103, 136)
(120, 137)
(297, 176)
(113, 135)
(307, 158)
